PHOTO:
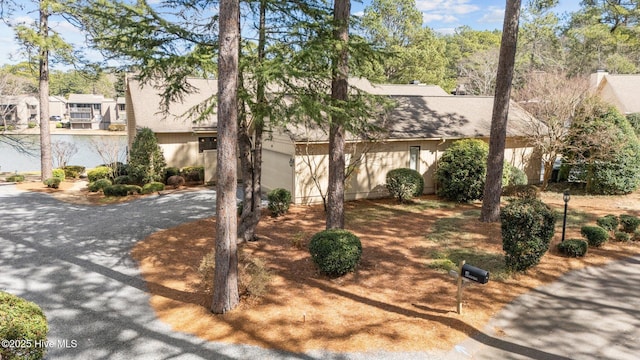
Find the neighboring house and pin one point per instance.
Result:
(58, 107)
(424, 123)
(19, 111)
(419, 129)
(184, 143)
(88, 111)
(622, 91)
(121, 110)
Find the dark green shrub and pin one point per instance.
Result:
(462, 170)
(608, 222)
(58, 173)
(15, 178)
(279, 200)
(622, 236)
(404, 184)
(596, 236)
(629, 223)
(73, 171)
(573, 247)
(636, 235)
(514, 176)
(169, 172)
(133, 189)
(521, 191)
(123, 179)
(100, 172)
(116, 190)
(152, 187)
(23, 321)
(335, 251)
(527, 228)
(193, 173)
(53, 182)
(98, 185)
(176, 181)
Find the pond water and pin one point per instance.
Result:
(112, 147)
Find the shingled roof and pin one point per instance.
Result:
(623, 91)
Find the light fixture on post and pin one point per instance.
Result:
(566, 197)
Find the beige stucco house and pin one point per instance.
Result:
(19, 111)
(622, 91)
(423, 123)
(184, 142)
(90, 111)
(418, 130)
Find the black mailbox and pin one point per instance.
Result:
(475, 274)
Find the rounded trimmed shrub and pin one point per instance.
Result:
(24, 322)
(123, 179)
(335, 251)
(53, 182)
(573, 247)
(279, 200)
(527, 228)
(608, 222)
(629, 223)
(404, 184)
(176, 181)
(100, 172)
(596, 236)
(193, 173)
(462, 171)
(513, 176)
(169, 172)
(98, 185)
(116, 190)
(521, 191)
(15, 178)
(622, 236)
(151, 187)
(73, 171)
(58, 173)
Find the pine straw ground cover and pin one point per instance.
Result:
(399, 298)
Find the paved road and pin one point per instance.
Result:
(588, 314)
(74, 262)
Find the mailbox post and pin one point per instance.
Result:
(468, 273)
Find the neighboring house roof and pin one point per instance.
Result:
(145, 105)
(17, 99)
(623, 91)
(397, 89)
(86, 99)
(433, 117)
(55, 98)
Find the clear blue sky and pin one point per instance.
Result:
(441, 15)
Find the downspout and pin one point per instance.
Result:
(435, 183)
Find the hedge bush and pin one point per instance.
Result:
(462, 170)
(53, 182)
(596, 236)
(527, 228)
(573, 247)
(98, 185)
(124, 179)
(629, 223)
(335, 251)
(169, 172)
(622, 236)
(404, 184)
(151, 187)
(176, 181)
(608, 222)
(514, 176)
(521, 191)
(21, 320)
(121, 190)
(16, 178)
(279, 200)
(73, 171)
(58, 173)
(100, 172)
(193, 173)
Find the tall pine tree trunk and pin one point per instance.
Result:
(225, 291)
(339, 94)
(46, 160)
(497, 139)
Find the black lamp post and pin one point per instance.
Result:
(566, 197)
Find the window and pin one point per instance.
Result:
(414, 158)
(207, 143)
